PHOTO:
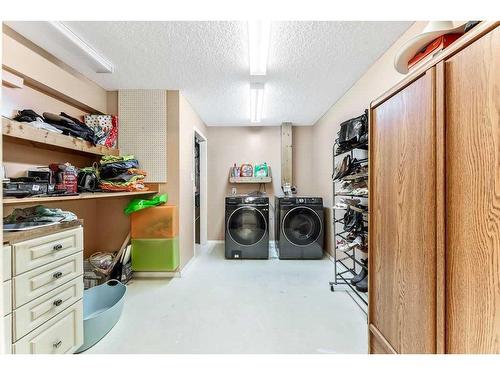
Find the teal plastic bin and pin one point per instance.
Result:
(102, 308)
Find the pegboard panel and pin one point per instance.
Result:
(142, 130)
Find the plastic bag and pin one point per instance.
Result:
(261, 170)
(140, 204)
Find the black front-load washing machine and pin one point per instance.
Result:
(247, 227)
(300, 227)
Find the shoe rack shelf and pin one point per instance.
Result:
(347, 264)
(24, 132)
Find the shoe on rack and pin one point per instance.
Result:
(357, 172)
(340, 206)
(360, 191)
(345, 188)
(343, 167)
(351, 201)
(353, 220)
(361, 275)
(362, 286)
(347, 246)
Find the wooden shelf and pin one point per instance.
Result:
(250, 180)
(50, 140)
(16, 201)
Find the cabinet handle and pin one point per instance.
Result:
(58, 247)
(57, 344)
(58, 302)
(57, 275)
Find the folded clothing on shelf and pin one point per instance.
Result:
(34, 119)
(70, 126)
(38, 214)
(121, 173)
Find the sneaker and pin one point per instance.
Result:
(361, 275)
(362, 286)
(346, 246)
(345, 188)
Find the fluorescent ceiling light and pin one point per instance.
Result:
(259, 34)
(98, 62)
(256, 101)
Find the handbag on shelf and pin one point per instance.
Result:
(353, 131)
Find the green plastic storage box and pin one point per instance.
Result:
(149, 255)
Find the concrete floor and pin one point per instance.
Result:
(239, 306)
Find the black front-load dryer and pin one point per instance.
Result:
(247, 227)
(301, 228)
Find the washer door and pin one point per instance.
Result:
(247, 226)
(302, 226)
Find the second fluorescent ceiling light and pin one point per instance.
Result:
(259, 33)
(256, 101)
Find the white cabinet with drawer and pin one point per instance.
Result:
(7, 297)
(43, 250)
(35, 313)
(6, 263)
(7, 335)
(43, 293)
(60, 335)
(41, 280)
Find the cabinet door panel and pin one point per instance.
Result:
(403, 218)
(472, 82)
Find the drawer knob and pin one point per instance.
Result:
(57, 344)
(57, 275)
(58, 247)
(58, 302)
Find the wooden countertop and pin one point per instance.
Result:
(24, 235)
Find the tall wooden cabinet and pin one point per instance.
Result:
(435, 204)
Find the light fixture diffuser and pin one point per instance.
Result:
(256, 102)
(259, 34)
(98, 62)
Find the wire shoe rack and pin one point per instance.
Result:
(347, 263)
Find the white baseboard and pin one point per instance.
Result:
(186, 266)
(215, 241)
(156, 275)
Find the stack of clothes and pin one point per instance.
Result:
(62, 123)
(39, 215)
(121, 173)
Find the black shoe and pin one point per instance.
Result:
(361, 275)
(362, 286)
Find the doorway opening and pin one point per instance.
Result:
(200, 189)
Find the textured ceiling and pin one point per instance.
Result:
(311, 64)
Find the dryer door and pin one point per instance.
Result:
(301, 226)
(246, 225)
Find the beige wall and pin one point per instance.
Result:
(379, 78)
(188, 122)
(44, 72)
(302, 159)
(252, 144)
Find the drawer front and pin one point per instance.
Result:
(38, 311)
(62, 334)
(37, 252)
(6, 263)
(34, 283)
(7, 335)
(7, 297)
